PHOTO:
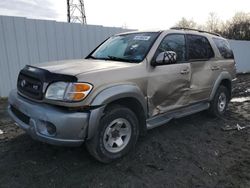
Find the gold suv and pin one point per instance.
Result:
(130, 83)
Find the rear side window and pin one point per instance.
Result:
(224, 48)
(199, 48)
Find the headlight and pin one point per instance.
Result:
(56, 91)
(68, 91)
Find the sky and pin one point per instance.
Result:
(132, 14)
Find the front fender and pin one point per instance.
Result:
(109, 95)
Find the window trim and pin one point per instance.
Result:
(169, 34)
(187, 46)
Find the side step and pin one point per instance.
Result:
(164, 118)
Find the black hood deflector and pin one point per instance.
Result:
(33, 81)
(46, 76)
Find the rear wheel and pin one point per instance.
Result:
(116, 136)
(220, 101)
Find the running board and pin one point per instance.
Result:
(182, 112)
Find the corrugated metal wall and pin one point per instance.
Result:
(27, 41)
(241, 51)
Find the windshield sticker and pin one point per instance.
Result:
(134, 46)
(142, 37)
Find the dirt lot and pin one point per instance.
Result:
(190, 152)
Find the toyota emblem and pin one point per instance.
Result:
(23, 83)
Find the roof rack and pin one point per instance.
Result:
(198, 30)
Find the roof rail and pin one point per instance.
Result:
(198, 30)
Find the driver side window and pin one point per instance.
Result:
(173, 42)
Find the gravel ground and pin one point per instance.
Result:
(193, 151)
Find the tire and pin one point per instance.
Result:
(117, 134)
(220, 101)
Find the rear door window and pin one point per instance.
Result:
(199, 48)
(224, 48)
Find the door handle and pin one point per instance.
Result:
(185, 71)
(215, 68)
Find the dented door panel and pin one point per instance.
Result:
(204, 74)
(168, 87)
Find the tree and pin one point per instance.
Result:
(213, 23)
(239, 27)
(240, 17)
(186, 23)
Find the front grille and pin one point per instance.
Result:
(20, 115)
(29, 86)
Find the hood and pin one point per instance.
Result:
(81, 66)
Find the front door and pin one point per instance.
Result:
(168, 85)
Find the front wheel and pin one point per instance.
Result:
(116, 136)
(220, 102)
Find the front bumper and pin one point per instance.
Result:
(70, 127)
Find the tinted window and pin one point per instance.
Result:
(173, 42)
(224, 48)
(199, 48)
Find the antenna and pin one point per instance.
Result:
(76, 11)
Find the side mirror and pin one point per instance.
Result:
(164, 58)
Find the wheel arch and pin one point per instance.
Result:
(129, 96)
(224, 79)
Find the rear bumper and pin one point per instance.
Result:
(34, 118)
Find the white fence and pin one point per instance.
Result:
(241, 51)
(27, 41)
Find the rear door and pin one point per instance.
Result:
(204, 67)
(168, 85)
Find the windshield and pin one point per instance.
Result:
(128, 47)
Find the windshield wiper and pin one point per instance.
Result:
(92, 57)
(119, 59)
(112, 58)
